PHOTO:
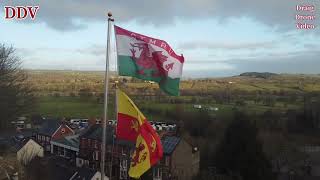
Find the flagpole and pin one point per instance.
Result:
(113, 135)
(105, 111)
(116, 108)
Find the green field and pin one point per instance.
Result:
(76, 94)
(73, 107)
(87, 107)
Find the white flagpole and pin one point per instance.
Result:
(105, 112)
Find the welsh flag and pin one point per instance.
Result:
(149, 59)
(133, 126)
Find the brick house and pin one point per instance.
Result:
(180, 160)
(51, 129)
(90, 152)
(90, 146)
(44, 134)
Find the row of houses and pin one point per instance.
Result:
(82, 147)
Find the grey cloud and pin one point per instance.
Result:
(312, 46)
(24, 52)
(294, 54)
(95, 50)
(305, 62)
(63, 14)
(227, 46)
(283, 62)
(86, 64)
(88, 58)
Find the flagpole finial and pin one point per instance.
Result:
(110, 16)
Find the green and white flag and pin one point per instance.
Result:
(150, 59)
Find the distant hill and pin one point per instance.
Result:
(264, 75)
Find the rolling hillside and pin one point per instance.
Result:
(72, 82)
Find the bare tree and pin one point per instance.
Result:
(16, 96)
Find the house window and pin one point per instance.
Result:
(96, 155)
(55, 149)
(48, 139)
(84, 142)
(60, 151)
(68, 153)
(157, 173)
(86, 163)
(123, 152)
(109, 149)
(108, 157)
(167, 162)
(79, 162)
(123, 169)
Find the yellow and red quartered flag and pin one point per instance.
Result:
(132, 125)
(130, 118)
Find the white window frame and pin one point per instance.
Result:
(123, 169)
(95, 155)
(86, 162)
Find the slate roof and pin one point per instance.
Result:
(169, 143)
(72, 141)
(26, 133)
(49, 126)
(15, 147)
(95, 132)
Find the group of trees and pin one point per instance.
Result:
(306, 120)
(240, 152)
(228, 148)
(238, 155)
(15, 94)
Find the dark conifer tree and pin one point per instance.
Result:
(240, 152)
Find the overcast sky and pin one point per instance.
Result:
(216, 37)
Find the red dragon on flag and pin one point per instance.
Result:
(147, 60)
